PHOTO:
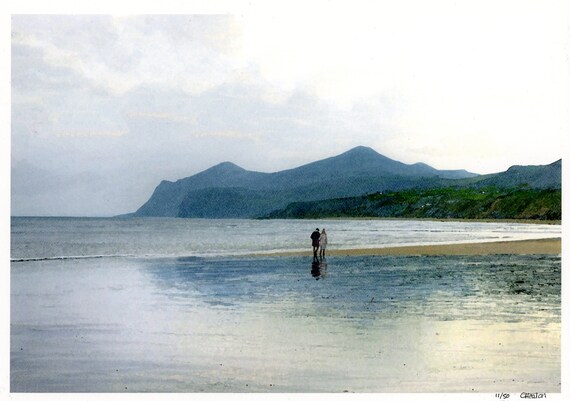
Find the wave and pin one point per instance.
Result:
(43, 258)
(180, 258)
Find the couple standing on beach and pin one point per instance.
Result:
(319, 241)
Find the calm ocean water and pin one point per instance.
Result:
(164, 305)
(40, 238)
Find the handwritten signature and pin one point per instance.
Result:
(506, 396)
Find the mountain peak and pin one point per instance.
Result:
(226, 167)
(365, 158)
(361, 151)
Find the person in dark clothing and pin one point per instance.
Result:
(315, 238)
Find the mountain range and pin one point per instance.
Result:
(229, 191)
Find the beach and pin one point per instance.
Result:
(551, 246)
(285, 324)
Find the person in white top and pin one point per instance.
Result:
(323, 243)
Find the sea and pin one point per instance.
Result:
(111, 305)
(36, 238)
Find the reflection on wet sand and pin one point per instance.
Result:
(319, 267)
(376, 324)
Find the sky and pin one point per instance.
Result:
(107, 103)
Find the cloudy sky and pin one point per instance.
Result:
(104, 107)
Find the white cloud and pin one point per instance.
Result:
(345, 52)
(121, 53)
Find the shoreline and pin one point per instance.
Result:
(546, 246)
(441, 220)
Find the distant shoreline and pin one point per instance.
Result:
(548, 246)
(129, 216)
(520, 221)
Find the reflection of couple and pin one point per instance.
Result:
(318, 268)
(319, 241)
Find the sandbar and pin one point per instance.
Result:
(547, 246)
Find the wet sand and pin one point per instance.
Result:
(548, 246)
(365, 324)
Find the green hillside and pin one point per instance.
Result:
(441, 203)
